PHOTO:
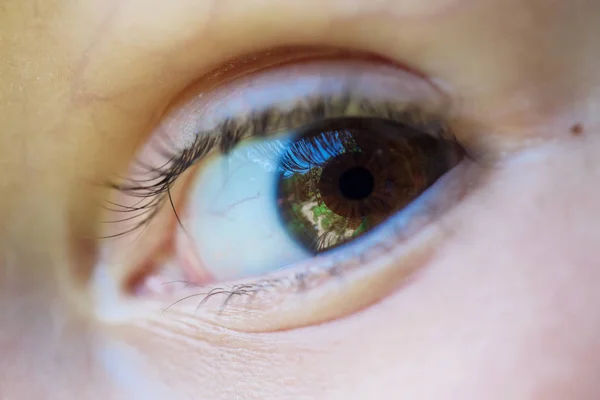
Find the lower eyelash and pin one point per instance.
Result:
(152, 193)
(324, 268)
(336, 264)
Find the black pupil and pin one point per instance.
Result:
(356, 183)
(340, 178)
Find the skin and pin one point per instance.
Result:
(506, 309)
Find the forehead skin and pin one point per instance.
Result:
(508, 311)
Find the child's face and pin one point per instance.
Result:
(485, 286)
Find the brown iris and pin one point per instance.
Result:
(342, 177)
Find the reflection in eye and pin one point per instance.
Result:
(288, 165)
(272, 202)
(352, 174)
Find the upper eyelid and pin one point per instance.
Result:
(271, 121)
(319, 89)
(231, 131)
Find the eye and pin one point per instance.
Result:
(270, 203)
(272, 184)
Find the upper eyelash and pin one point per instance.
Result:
(154, 190)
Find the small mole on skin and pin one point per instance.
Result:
(576, 130)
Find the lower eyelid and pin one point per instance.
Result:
(320, 290)
(394, 254)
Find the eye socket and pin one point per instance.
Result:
(278, 181)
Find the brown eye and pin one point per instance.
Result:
(340, 178)
(264, 172)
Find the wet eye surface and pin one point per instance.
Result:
(273, 184)
(341, 178)
(269, 203)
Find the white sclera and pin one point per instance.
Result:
(233, 214)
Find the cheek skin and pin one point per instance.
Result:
(507, 310)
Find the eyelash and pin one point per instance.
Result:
(306, 280)
(155, 190)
